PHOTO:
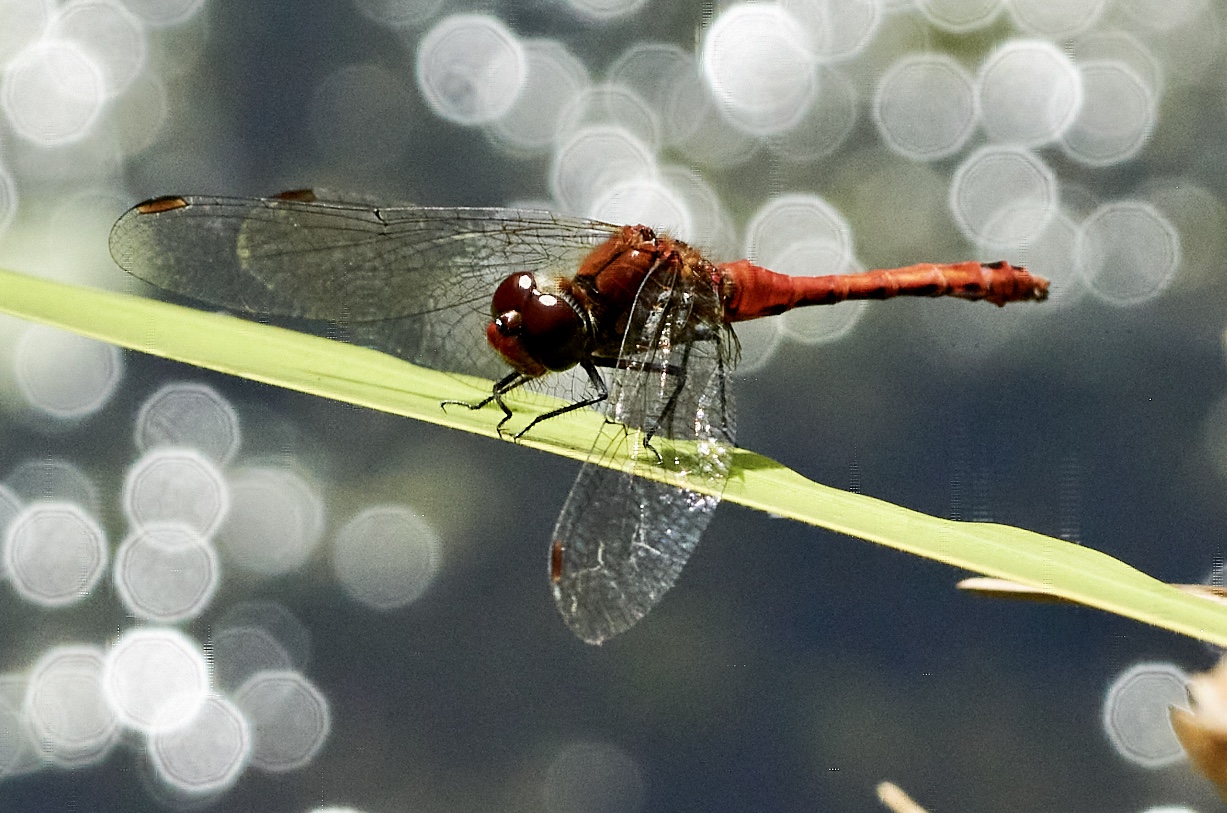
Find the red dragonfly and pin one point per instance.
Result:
(646, 318)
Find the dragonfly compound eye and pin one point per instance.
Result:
(513, 294)
(553, 332)
(535, 332)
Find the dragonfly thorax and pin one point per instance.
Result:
(536, 331)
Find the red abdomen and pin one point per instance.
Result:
(750, 291)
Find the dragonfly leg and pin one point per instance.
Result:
(678, 372)
(647, 444)
(598, 383)
(723, 414)
(504, 385)
(675, 371)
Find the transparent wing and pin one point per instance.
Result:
(622, 539)
(412, 281)
(416, 282)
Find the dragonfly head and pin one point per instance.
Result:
(535, 331)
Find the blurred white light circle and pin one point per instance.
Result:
(960, 16)
(810, 258)
(52, 92)
(1123, 47)
(925, 106)
(163, 13)
(110, 34)
(611, 105)
(470, 68)
(711, 229)
(191, 415)
(399, 13)
(788, 219)
(644, 201)
(1002, 197)
(1056, 19)
(8, 199)
(64, 375)
(1129, 252)
(837, 29)
(206, 755)
(647, 68)
(10, 507)
(10, 504)
(55, 480)
(667, 78)
(1135, 713)
(25, 21)
(593, 777)
(240, 652)
(825, 126)
(697, 126)
(1199, 217)
(555, 79)
(1028, 92)
(1117, 117)
(12, 737)
(256, 636)
(29, 756)
(289, 718)
(172, 484)
(759, 67)
(386, 556)
(16, 743)
(275, 521)
(165, 572)
(594, 158)
(606, 10)
(155, 679)
(64, 704)
(828, 324)
(54, 553)
(360, 115)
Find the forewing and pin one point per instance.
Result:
(413, 281)
(623, 539)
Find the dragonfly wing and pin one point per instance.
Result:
(622, 539)
(192, 250)
(412, 281)
(620, 544)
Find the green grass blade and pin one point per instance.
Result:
(367, 378)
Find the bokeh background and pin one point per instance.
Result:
(395, 574)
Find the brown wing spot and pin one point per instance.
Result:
(556, 562)
(304, 195)
(166, 203)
